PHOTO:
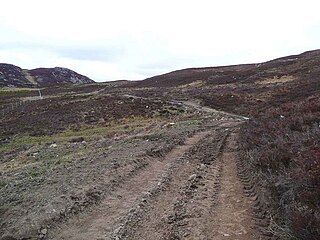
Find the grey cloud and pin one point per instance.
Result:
(153, 68)
(90, 53)
(166, 65)
(107, 54)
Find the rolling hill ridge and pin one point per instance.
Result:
(14, 76)
(300, 65)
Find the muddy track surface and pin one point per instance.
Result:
(191, 193)
(204, 200)
(188, 185)
(100, 222)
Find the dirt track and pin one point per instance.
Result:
(175, 181)
(99, 222)
(191, 193)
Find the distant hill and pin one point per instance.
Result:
(243, 89)
(298, 65)
(14, 76)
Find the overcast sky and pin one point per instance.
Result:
(135, 39)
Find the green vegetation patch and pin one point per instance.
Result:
(16, 91)
(87, 133)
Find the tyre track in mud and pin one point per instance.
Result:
(208, 204)
(233, 215)
(102, 220)
(168, 216)
(219, 208)
(200, 207)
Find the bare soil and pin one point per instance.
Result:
(99, 221)
(160, 170)
(233, 213)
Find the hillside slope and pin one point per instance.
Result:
(242, 89)
(14, 76)
(299, 65)
(279, 146)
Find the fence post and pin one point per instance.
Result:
(40, 95)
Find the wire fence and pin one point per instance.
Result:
(9, 108)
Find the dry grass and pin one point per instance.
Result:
(275, 80)
(197, 83)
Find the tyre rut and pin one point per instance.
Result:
(205, 199)
(233, 215)
(167, 215)
(100, 222)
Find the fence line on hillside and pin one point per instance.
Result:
(10, 107)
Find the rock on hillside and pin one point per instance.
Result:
(13, 76)
(58, 75)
